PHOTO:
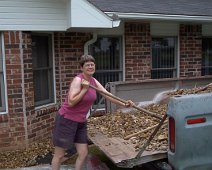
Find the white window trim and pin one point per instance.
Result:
(177, 57)
(54, 76)
(168, 29)
(4, 72)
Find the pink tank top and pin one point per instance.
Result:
(79, 111)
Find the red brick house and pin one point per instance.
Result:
(41, 42)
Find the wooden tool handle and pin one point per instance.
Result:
(124, 101)
(147, 112)
(108, 94)
(142, 131)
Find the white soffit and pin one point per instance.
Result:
(84, 15)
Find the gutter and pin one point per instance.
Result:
(144, 16)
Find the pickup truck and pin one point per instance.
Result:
(189, 126)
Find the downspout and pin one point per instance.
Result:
(23, 89)
(89, 42)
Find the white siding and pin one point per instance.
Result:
(43, 15)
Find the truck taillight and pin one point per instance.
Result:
(171, 134)
(196, 121)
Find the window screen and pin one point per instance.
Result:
(206, 56)
(107, 52)
(164, 54)
(42, 69)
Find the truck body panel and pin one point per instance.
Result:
(148, 90)
(193, 126)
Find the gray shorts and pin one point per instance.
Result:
(67, 132)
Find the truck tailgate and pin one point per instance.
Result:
(120, 151)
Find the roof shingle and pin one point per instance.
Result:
(165, 7)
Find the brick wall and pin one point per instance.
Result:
(22, 124)
(39, 122)
(190, 50)
(12, 128)
(25, 124)
(68, 49)
(137, 51)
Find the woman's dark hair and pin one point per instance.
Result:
(85, 58)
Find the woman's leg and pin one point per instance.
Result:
(58, 156)
(82, 150)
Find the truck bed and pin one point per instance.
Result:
(121, 152)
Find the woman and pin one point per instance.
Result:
(70, 124)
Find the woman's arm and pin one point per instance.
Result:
(76, 91)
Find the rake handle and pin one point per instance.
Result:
(125, 102)
(142, 131)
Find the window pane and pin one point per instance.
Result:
(2, 83)
(207, 56)
(2, 93)
(1, 57)
(106, 52)
(41, 84)
(158, 74)
(1, 62)
(1, 74)
(42, 69)
(40, 51)
(1, 103)
(163, 57)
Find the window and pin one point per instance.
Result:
(206, 56)
(107, 52)
(2, 80)
(164, 57)
(42, 69)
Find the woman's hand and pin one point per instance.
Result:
(129, 103)
(85, 84)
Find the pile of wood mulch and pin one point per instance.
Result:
(136, 126)
(39, 153)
